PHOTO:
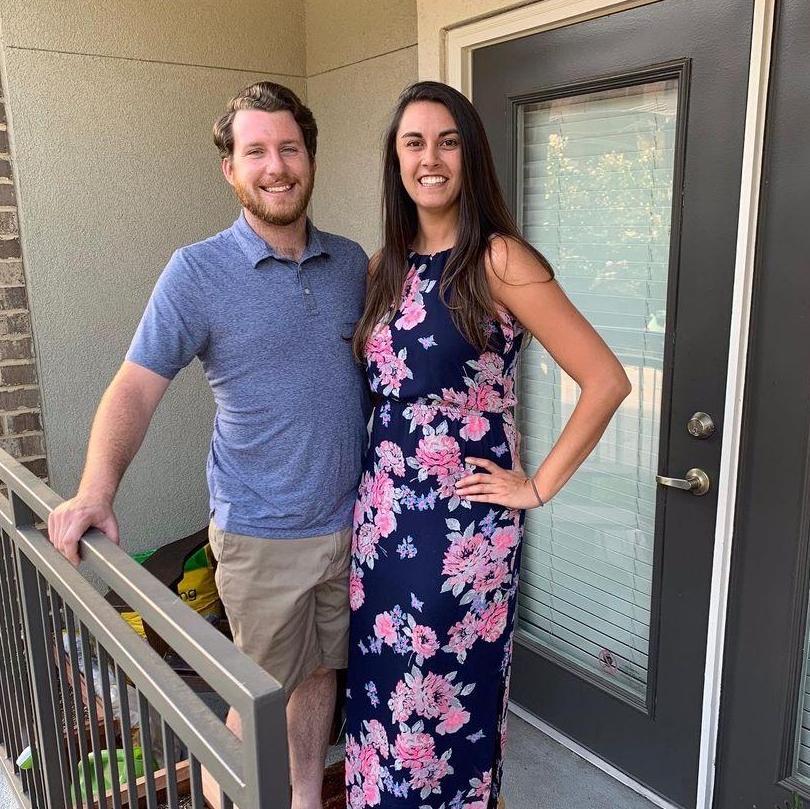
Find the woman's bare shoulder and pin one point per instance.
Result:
(511, 261)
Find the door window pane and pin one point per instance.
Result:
(595, 196)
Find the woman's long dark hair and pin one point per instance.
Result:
(482, 214)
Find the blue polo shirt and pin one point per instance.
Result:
(289, 432)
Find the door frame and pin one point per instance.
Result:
(459, 41)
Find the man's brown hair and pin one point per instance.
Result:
(270, 97)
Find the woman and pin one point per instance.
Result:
(439, 515)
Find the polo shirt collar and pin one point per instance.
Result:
(256, 249)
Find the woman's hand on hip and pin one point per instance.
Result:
(503, 487)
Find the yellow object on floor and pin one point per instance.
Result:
(197, 588)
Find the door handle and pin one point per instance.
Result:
(696, 482)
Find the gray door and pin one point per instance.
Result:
(619, 141)
(764, 752)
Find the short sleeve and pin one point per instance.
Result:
(174, 326)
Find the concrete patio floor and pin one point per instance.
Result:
(539, 773)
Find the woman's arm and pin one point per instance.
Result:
(519, 283)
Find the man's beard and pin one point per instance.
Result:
(280, 216)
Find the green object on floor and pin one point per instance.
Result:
(120, 756)
(25, 761)
(197, 560)
(141, 556)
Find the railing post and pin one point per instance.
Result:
(40, 663)
(266, 759)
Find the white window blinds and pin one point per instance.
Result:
(595, 190)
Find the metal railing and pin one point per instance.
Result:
(87, 694)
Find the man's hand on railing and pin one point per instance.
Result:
(69, 521)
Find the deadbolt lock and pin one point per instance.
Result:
(700, 425)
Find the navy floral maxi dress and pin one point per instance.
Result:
(434, 579)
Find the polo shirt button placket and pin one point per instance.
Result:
(309, 297)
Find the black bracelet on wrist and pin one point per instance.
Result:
(536, 493)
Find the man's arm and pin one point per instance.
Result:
(119, 426)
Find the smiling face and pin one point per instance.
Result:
(429, 153)
(270, 169)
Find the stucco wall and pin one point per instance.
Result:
(357, 64)
(111, 108)
(435, 18)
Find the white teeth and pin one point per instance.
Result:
(276, 189)
(432, 180)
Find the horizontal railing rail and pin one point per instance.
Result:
(77, 699)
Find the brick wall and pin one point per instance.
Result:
(21, 432)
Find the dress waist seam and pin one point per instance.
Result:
(447, 408)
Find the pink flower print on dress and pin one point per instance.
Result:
(410, 288)
(465, 559)
(427, 778)
(391, 366)
(381, 494)
(391, 458)
(512, 437)
(412, 306)
(483, 398)
(491, 577)
(356, 798)
(455, 718)
(480, 788)
(352, 768)
(379, 347)
(423, 640)
(510, 329)
(447, 485)
(425, 699)
(401, 702)
(371, 793)
(359, 511)
(503, 540)
(451, 404)
(413, 749)
(394, 372)
(427, 696)
(462, 636)
(367, 539)
(437, 697)
(490, 368)
(384, 628)
(369, 763)
(362, 507)
(419, 414)
(509, 398)
(492, 623)
(377, 737)
(412, 315)
(438, 454)
(433, 695)
(356, 593)
(386, 522)
(476, 426)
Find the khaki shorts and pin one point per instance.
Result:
(287, 600)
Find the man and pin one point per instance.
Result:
(267, 306)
